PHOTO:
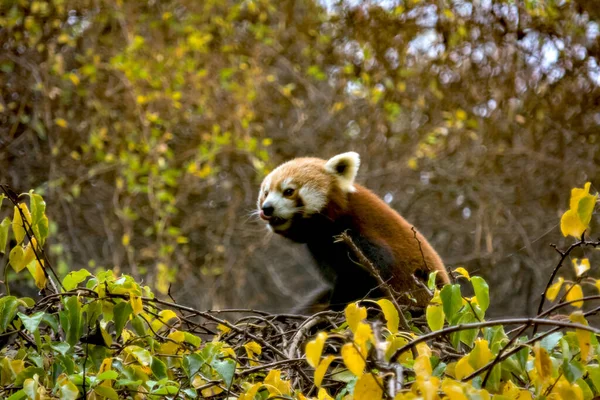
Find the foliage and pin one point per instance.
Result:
(149, 125)
(107, 336)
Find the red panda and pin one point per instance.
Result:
(310, 200)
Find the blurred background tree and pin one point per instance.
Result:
(149, 125)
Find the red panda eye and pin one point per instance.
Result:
(288, 192)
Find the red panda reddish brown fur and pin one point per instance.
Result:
(310, 200)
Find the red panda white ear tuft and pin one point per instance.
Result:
(345, 167)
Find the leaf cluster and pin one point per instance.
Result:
(106, 336)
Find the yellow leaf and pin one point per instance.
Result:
(136, 303)
(61, 122)
(542, 362)
(566, 390)
(363, 334)
(164, 318)
(74, 78)
(461, 115)
(354, 314)
(17, 223)
(481, 354)
(37, 271)
(463, 272)
(422, 366)
(424, 350)
(15, 258)
(575, 293)
(553, 290)
(463, 368)
(252, 349)
(368, 388)
(353, 359)
(322, 369)
(427, 387)
(177, 336)
(223, 329)
(453, 389)
(314, 349)
(391, 314)
(435, 316)
(104, 367)
(578, 194)
(394, 343)
(570, 224)
(275, 385)
(583, 337)
(581, 266)
(29, 255)
(250, 393)
(412, 163)
(323, 395)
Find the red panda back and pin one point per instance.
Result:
(373, 219)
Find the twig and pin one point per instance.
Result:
(563, 256)
(366, 262)
(476, 325)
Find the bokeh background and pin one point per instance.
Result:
(148, 126)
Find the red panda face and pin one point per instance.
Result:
(301, 188)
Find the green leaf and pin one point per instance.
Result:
(482, 292)
(165, 391)
(4, 226)
(74, 278)
(226, 369)
(594, 374)
(585, 208)
(159, 369)
(550, 341)
(61, 347)
(107, 392)
(451, 300)
(192, 364)
(107, 375)
(141, 355)
(32, 323)
(71, 320)
(51, 321)
(28, 373)
(573, 370)
(8, 311)
(122, 311)
(39, 221)
(432, 280)
(18, 395)
(468, 335)
(522, 355)
(585, 388)
(493, 382)
(68, 390)
(191, 339)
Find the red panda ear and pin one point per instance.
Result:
(345, 167)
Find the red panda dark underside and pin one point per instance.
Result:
(349, 281)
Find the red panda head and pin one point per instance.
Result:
(304, 187)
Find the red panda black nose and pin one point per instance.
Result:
(268, 209)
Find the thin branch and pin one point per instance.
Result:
(563, 256)
(366, 262)
(476, 325)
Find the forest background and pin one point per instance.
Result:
(148, 126)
